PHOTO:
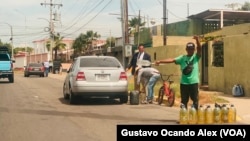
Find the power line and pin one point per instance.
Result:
(90, 19)
(51, 4)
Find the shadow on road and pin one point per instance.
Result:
(92, 101)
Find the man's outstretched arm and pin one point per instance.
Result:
(198, 48)
(169, 60)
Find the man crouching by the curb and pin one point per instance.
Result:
(150, 76)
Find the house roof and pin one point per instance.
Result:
(217, 14)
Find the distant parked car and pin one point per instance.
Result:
(34, 69)
(96, 76)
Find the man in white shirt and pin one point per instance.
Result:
(46, 66)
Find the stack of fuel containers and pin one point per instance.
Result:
(217, 114)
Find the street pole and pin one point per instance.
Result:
(11, 39)
(138, 28)
(164, 22)
(51, 33)
(12, 45)
(123, 33)
(51, 4)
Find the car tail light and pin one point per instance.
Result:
(80, 76)
(123, 76)
(29, 68)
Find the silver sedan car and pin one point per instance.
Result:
(96, 76)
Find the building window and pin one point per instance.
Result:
(218, 54)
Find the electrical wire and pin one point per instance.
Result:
(90, 19)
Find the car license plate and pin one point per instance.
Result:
(36, 69)
(102, 77)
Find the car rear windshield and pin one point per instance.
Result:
(4, 57)
(35, 65)
(99, 62)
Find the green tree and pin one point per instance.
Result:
(134, 23)
(83, 43)
(58, 44)
(91, 36)
(245, 6)
(79, 44)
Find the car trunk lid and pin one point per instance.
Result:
(103, 75)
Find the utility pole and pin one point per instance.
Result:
(124, 21)
(164, 22)
(138, 28)
(12, 45)
(51, 4)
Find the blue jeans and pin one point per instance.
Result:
(46, 72)
(151, 84)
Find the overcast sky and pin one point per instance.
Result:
(29, 19)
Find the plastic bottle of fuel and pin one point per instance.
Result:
(183, 114)
(232, 114)
(192, 117)
(224, 114)
(201, 115)
(209, 115)
(217, 113)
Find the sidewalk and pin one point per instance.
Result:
(240, 103)
(243, 114)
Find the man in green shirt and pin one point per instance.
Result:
(189, 65)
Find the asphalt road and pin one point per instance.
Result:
(33, 108)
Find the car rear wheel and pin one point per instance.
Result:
(72, 97)
(11, 78)
(65, 94)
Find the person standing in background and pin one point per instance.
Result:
(140, 55)
(46, 66)
(50, 66)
